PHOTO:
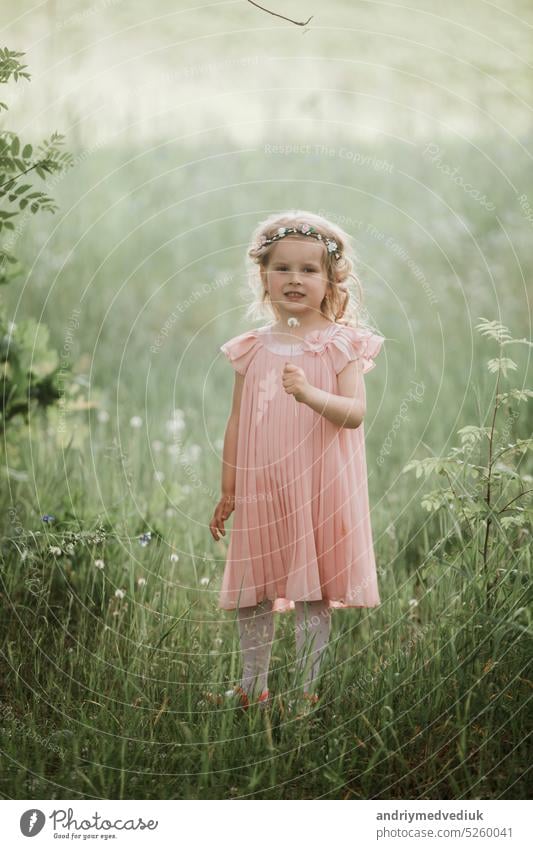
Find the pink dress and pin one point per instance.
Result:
(301, 525)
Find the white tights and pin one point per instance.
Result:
(256, 631)
(312, 628)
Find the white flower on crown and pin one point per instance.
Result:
(282, 231)
(332, 245)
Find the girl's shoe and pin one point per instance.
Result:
(265, 700)
(241, 696)
(244, 700)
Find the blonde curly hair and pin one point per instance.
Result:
(339, 304)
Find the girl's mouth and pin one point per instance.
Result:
(294, 296)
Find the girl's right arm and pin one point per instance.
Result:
(226, 503)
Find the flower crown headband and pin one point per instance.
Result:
(302, 230)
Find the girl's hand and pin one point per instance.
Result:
(223, 510)
(295, 382)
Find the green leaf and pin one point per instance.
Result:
(471, 434)
(517, 394)
(502, 469)
(493, 329)
(514, 521)
(503, 363)
(27, 151)
(416, 465)
(33, 338)
(522, 341)
(435, 500)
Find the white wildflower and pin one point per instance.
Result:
(194, 451)
(175, 425)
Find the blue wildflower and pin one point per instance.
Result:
(144, 539)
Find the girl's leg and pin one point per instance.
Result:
(312, 629)
(256, 629)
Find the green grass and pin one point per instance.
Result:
(418, 701)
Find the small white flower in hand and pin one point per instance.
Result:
(293, 322)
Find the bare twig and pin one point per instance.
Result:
(527, 491)
(298, 23)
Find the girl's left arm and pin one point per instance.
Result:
(346, 408)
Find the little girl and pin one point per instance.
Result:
(294, 465)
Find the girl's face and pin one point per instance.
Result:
(296, 264)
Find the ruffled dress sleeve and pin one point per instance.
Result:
(241, 349)
(354, 343)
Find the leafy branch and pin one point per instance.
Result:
(476, 497)
(31, 375)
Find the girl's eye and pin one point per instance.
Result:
(284, 268)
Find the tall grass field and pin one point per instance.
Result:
(112, 647)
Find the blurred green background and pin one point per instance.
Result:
(416, 132)
(410, 124)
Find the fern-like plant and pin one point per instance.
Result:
(488, 489)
